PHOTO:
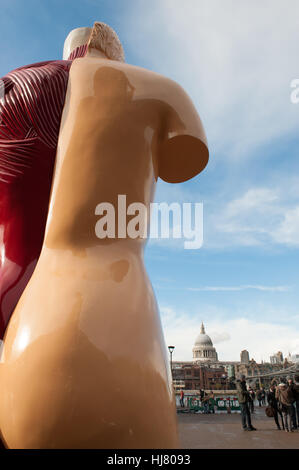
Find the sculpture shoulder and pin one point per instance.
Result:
(181, 132)
(158, 85)
(34, 95)
(39, 70)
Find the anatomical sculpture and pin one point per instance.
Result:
(83, 360)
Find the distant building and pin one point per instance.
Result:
(280, 356)
(294, 358)
(203, 350)
(244, 357)
(190, 376)
(230, 369)
(286, 363)
(277, 358)
(205, 371)
(253, 369)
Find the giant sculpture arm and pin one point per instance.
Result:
(183, 150)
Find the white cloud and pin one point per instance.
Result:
(236, 60)
(257, 199)
(288, 230)
(220, 337)
(260, 338)
(240, 288)
(248, 219)
(261, 216)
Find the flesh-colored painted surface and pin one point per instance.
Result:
(84, 363)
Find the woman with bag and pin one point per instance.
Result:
(273, 407)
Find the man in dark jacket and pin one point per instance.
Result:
(252, 398)
(295, 392)
(263, 396)
(182, 395)
(243, 397)
(297, 398)
(272, 401)
(259, 397)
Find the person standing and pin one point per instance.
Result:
(212, 403)
(296, 388)
(295, 392)
(263, 396)
(243, 397)
(285, 398)
(182, 395)
(272, 401)
(206, 401)
(259, 397)
(252, 398)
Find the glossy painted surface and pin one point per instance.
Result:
(30, 117)
(84, 363)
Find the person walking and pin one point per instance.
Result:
(206, 401)
(259, 397)
(252, 398)
(295, 392)
(285, 398)
(212, 403)
(272, 401)
(243, 397)
(182, 395)
(263, 396)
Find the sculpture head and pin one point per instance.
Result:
(100, 37)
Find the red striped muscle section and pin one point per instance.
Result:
(80, 51)
(30, 112)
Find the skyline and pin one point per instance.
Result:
(216, 340)
(237, 65)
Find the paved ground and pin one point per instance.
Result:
(224, 431)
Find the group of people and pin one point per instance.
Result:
(207, 399)
(260, 395)
(283, 403)
(282, 399)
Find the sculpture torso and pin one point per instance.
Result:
(86, 333)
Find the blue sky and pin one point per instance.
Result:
(236, 60)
